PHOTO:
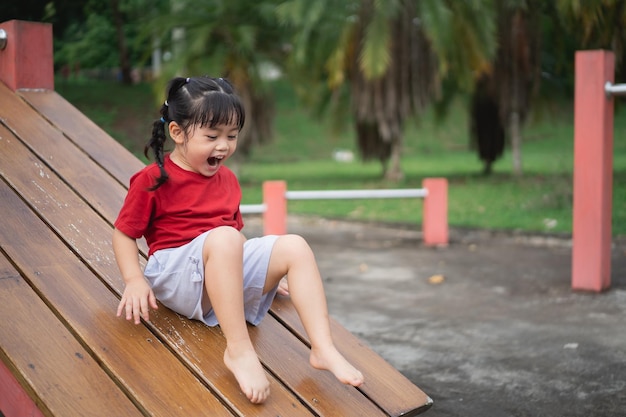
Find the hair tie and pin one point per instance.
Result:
(165, 104)
(187, 80)
(163, 120)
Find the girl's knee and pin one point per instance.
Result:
(223, 238)
(289, 251)
(294, 245)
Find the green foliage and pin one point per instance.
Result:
(85, 36)
(597, 24)
(92, 44)
(463, 36)
(220, 37)
(375, 57)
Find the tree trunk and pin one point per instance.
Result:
(121, 43)
(516, 142)
(156, 57)
(514, 117)
(394, 170)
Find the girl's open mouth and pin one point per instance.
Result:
(213, 161)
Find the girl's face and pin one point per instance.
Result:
(205, 149)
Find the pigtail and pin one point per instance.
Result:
(157, 144)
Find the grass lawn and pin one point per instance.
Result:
(301, 153)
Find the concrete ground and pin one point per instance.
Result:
(488, 326)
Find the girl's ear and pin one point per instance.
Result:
(176, 133)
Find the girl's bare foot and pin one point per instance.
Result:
(245, 366)
(330, 359)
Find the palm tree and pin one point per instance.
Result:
(516, 68)
(379, 106)
(231, 39)
(387, 59)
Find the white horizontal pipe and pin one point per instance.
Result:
(338, 195)
(252, 208)
(614, 89)
(353, 194)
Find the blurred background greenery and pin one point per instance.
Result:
(359, 94)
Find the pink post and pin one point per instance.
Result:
(435, 221)
(593, 171)
(26, 61)
(14, 401)
(275, 216)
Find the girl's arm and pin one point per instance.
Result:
(138, 295)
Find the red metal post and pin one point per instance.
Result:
(27, 62)
(435, 221)
(275, 215)
(593, 171)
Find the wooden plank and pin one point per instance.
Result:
(39, 184)
(384, 384)
(64, 210)
(88, 136)
(320, 389)
(56, 370)
(76, 168)
(89, 237)
(130, 354)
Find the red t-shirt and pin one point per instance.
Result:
(185, 206)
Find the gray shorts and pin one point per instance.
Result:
(177, 279)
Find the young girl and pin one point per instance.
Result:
(186, 205)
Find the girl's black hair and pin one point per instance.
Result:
(196, 101)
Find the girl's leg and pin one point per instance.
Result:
(223, 260)
(293, 257)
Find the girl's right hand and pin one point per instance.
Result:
(136, 300)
